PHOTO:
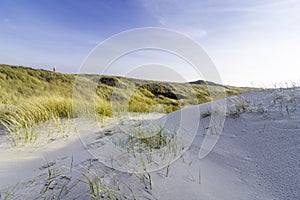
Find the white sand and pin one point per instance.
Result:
(256, 157)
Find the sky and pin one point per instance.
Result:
(250, 42)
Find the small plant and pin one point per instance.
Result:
(167, 170)
(239, 105)
(50, 182)
(145, 143)
(286, 99)
(145, 178)
(100, 188)
(205, 114)
(148, 177)
(257, 108)
(9, 193)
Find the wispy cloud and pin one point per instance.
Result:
(239, 35)
(242, 37)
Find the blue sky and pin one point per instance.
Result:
(249, 41)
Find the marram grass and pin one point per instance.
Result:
(19, 119)
(32, 96)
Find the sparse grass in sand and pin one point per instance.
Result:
(148, 142)
(9, 193)
(93, 183)
(142, 141)
(101, 188)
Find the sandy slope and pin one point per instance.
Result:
(256, 157)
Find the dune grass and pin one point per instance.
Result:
(31, 96)
(19, 119)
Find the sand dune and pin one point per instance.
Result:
(256, 157)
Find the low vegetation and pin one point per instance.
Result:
(30, 96)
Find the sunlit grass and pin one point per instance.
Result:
(19, 119)
(30, 96)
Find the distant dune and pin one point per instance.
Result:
(18, 83)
